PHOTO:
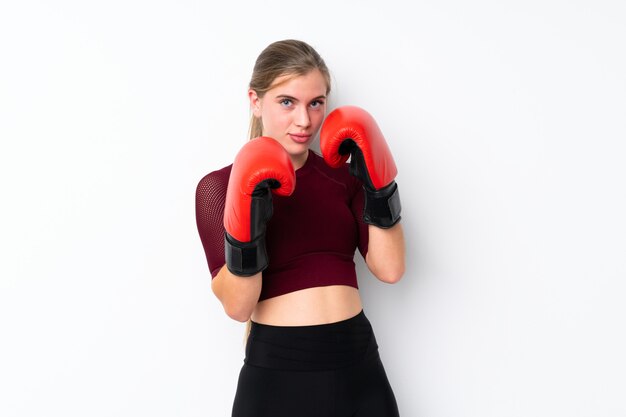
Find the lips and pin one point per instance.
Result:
(299, 138)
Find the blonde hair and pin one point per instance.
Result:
(286, 57)
(247, 332)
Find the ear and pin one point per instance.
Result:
(255, 103)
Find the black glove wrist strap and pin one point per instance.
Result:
(382, 207)
(245, 259)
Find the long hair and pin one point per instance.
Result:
(286, 57)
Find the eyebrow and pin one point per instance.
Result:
(283, 96)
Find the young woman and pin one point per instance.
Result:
(280, 227)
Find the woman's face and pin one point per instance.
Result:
(292, 111)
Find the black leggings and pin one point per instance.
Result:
(327, 370)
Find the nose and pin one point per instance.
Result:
(302, 118)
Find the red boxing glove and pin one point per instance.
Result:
(261, 167)
(350, 131)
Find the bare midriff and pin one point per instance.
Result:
(311, 306)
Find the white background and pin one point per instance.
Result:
(507, 123)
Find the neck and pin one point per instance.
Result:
(298, 161)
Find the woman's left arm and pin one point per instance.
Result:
(386, 253)
(351, 129)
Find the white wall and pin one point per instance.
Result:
(507, 124)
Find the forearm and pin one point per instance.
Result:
(386, 253)
(238, 295)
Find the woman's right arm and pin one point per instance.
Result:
(238, 295)
(233, 206)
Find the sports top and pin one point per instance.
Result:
(312, 235)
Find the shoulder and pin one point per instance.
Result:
(215, 179)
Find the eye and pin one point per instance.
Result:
(285, 102)
(317, 104)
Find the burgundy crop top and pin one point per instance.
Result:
(312, 236)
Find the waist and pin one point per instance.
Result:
(311, 306)
(315, 347)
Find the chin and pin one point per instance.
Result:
(298, 151)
